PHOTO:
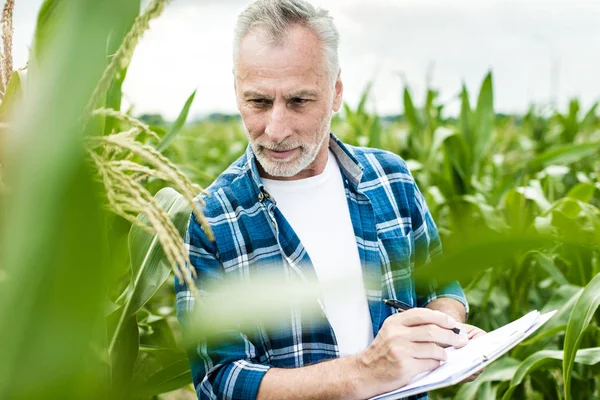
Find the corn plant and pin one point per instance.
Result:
(97, 357)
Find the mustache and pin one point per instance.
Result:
(284, 146)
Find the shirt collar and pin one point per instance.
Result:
(349, 166)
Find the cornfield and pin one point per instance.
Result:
(94, 202)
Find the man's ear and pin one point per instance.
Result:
(339, 91)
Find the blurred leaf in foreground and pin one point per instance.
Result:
(52, 236)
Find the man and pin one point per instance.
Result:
(302, 202)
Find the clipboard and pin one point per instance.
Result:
(475, 356)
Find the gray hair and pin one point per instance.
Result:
(275, 17)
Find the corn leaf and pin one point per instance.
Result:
(537, 360)
(53, 243)
(501, 370)
(411, 114)
(564, 155)
(172, 371)
(148, 262)
(13, 94)
(177, 125)
(579, 320)
(150, 269)
(465, 119)
(547, 264)
(115, 94)
(583, 192)
(483, 121)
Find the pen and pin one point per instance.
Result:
(401, 307)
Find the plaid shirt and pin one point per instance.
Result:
(394, 232)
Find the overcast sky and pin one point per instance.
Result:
(537, 50)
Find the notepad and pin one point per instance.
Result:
(476, 355)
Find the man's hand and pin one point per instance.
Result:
(408, 344)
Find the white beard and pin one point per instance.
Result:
(286, 168)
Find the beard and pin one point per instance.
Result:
(291, 166)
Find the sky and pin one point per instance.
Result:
(539, 51)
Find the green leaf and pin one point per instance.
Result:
(483, 120)
(563, 299)
(564, 155)
(374, 132)
(411, 114)
(149, 265)
(53, 238)
(47, 20)
(13, 95)
(583, 192)
(589, 356)
(590, 117)
(535, 193)
(548, 334)
(457, 152)
(465, 117)
(547, 264)
(162, 370)
(463, 259)
(518, 210)
(492, 216)
(124, 352)
(169, 378)
(537, 360)
(439, 137)
(115, 94)
(177, 125)
(579, 320)
(501, 370)
(568, 226)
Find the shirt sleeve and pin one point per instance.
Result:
(226, 368)
(427, 246)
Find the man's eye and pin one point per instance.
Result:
(297, 100)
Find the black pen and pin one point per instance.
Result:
(401, 307)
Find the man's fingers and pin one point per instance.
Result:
(472, 330)
(424, 365)
(441, 336)
(428, 351)
(476, 333)
(424, 316)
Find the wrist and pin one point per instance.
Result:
(357, 380)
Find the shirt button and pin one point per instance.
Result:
(261, 197)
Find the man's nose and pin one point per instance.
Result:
(278, 127)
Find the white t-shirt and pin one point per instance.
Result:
(317, 210)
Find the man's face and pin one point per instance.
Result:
(286, 100)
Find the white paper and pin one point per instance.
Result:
(477, 351)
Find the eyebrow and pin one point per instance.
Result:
(255, 94)
(303, 93)
(258, 95)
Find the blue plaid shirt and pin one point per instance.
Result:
(394, 232)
